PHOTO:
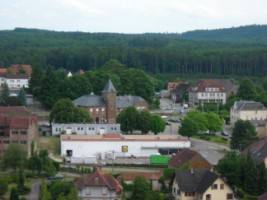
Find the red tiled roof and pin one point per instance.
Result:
(263, 196)
(3, 70)
(14, 110)
(98, 178)
(17, 122)
(187, 156)
(15, 68)
(130, 176)
(172, 84)
(203, 84)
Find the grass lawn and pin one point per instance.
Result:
(52, 144)
(212, 138)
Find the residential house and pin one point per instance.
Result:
(248, 110)
(151, 177)
(20, 69)
(104, 109)
(98, 186)
(172, 85)
(178, 92)
(229, 85)
(200, 185)
(207, 91)
(258, 151)
(17, 125)
(190, 159)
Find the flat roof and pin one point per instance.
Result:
(120, 137)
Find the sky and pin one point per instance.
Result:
(131, 16)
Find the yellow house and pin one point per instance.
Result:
(200, 185)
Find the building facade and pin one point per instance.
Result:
(85, 129)
(207, 91)
(90, 148)
(248, 110)
(104, 109)
(200, 184)
(18, 126)
(98, 186)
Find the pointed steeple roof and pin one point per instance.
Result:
(109, 87)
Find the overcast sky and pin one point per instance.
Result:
(131, 16)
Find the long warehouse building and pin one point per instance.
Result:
(89, 148)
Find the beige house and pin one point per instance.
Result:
(200, 185)
(98, 186)
(248, 110)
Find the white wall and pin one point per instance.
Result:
(88, 148)
(17, 83)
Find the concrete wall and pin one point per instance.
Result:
(103, 148)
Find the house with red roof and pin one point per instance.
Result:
(20, 69)
(151, 177)
(17, 125)
(98, 186)
(207, 91)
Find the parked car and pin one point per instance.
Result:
(168, 123)
(56, 177)
(224, 133)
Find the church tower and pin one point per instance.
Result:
(109, 95)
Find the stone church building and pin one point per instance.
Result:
(104, 109)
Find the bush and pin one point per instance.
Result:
(22, 190)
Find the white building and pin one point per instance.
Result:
(248, 110)
(85, 129)
(15, 81)
(83, 148)
(207, 91)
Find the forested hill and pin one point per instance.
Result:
(250, 34)
(216, 52)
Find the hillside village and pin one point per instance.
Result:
(118, 138)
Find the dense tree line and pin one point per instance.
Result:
(154, 53)
(51, 85)
(244, 174)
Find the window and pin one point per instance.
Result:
(56, 129)
(214, 187)
(230, 196)
(6, 141)
(174, 190)
(23, 142)
(23, 132)
(15, 132)
(88, 191)
(189, 194)
(208, 197)
(104, 191)
(221, 186)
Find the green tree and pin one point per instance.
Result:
(3, 185)
(46, 163)
(188, 127)
(75, 86)
(230, 168)
(58, 188)
(36, 80)
(15, 157)
(250, 183)
(140, 189)
(200, 119)
(128, 118)
(22, 97)
(244, 134)
(144, 121)
(5, 95)
(14, 194)
(262, 181)
(44, 193)
(214, 122)
(157, 124)
(49, 92)
(21, 178)
(113, 67)
(247, 90)
(64, 111)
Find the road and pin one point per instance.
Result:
(35, 191)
